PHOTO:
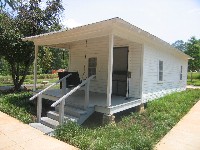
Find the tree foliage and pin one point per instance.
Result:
(17, 53)
(10, 3)
(180, 44)
(193, 50)
(30, 20)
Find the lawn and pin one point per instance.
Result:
(195, 78)
(7, 80)
(18, 106)
(195, 82)
(131, 131)
(134, 131)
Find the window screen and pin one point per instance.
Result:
(92, 64)
(181, 73)
(160, 70)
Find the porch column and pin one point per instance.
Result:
(35, 67)
(110, 70)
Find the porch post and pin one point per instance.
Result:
(110, 70)
(35, 67)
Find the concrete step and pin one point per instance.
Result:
(42, 128)
(55, 116)
(49, 122)
(88, 113)
(75, 105)
(77, 112)
(73, 111)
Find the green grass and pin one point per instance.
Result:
(135, 131)
(18, 106)
(195, 75)
(39, 81)
(7, 80)
(195, 82)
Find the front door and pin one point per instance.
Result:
(120, 69)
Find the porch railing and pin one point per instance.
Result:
(39, 95)
(61, 101)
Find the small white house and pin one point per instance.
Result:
(131, 67)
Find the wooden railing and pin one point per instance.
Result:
(61, 101)
(39, 95)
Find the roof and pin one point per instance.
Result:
(103, 25)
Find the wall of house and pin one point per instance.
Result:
(82, 50)
(98, 47)
(172, 63)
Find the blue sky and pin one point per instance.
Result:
(170, 20)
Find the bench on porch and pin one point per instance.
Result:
(72, 81)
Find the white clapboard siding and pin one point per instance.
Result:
(172, 63)
(97, 47)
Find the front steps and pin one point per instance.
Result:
(72, 113)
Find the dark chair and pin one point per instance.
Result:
(71, 81)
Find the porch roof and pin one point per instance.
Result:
(116, 26)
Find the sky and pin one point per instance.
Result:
(169, 20)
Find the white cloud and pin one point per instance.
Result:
(194, 11)
(71, 23)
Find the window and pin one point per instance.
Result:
(160, 74)
(181, 73)
(92, 64)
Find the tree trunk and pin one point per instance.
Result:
(16, 75)
(191, 80)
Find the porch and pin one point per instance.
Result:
(96, 100)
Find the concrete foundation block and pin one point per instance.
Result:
(108, 119)
(140, 108)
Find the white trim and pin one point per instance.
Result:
(141, 74)
(110, 70)
(35, 68)
(160, 81)
(99, 29)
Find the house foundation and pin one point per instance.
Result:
(140, 108)
(108, 119)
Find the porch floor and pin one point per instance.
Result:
(96, 99)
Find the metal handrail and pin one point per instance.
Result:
(36, 95)
(72, 91)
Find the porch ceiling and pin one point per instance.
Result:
(62, 39)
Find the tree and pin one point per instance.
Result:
(11, 3)
(4, 68)
(17, 53)
(180, 44)
(45, 59)
(30, 20)
(193, 50)
(60, 58)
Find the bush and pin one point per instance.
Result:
(5, 80)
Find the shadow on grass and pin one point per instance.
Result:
(96, 119)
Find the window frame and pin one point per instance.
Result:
(92, 67)
(181, 73)
(160, 71)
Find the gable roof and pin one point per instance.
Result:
(101, 27)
